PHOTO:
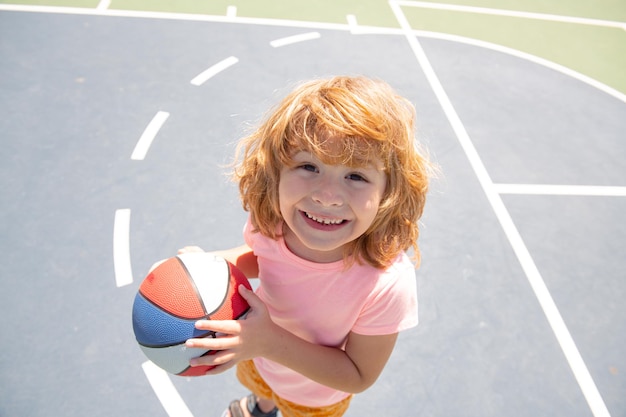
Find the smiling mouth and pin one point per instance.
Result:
(323, 221)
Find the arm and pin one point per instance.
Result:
(352, 370)
(243, 258)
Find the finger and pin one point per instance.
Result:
(221, 368)
(248, 295)
(219, 326)
(209, 343)
(216, 359)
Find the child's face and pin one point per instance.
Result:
(325, 206)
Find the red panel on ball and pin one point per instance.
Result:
(196, 371)
(169, 287)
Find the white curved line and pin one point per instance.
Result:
(295, 39)
(514, 13)
(139, 153)
(549, 307)
(526, 56)
(165, 391)
(121, 248)
(205, 75)
(317, 25)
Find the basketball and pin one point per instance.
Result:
(177, 293)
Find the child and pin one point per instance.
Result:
(334, 186)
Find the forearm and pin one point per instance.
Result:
(326, 365)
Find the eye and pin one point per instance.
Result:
(356, 177)
(308, 167)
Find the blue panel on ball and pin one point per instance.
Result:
(154, 327)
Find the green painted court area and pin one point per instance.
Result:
(595, 47)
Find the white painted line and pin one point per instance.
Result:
(512, 13)
(144, 142)
(294, 39)
(231, 11)
(193, 17)
(213, 70)
(121, 248)
(165, 391)
(352, 22)
(103, 5)
(355, 29)
(213, 18)
(320, 25)
(576, 363)
(551, 189)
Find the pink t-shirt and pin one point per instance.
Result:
(323, 303)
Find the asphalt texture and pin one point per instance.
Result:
(78, 91)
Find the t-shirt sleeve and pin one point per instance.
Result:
(392, 307)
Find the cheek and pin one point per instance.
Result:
(367, 208)
(373, 209)
(286, 189)
(372, 206)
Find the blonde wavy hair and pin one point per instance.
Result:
(370, 121)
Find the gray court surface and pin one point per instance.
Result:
(76, 94)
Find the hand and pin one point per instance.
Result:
(240, 340)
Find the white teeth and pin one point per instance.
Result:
(323, 221)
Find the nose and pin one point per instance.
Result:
(328, 193)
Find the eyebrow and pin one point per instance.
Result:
(366, 165)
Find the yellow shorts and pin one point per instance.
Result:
(250, 378)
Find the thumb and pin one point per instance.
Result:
(249, 295)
